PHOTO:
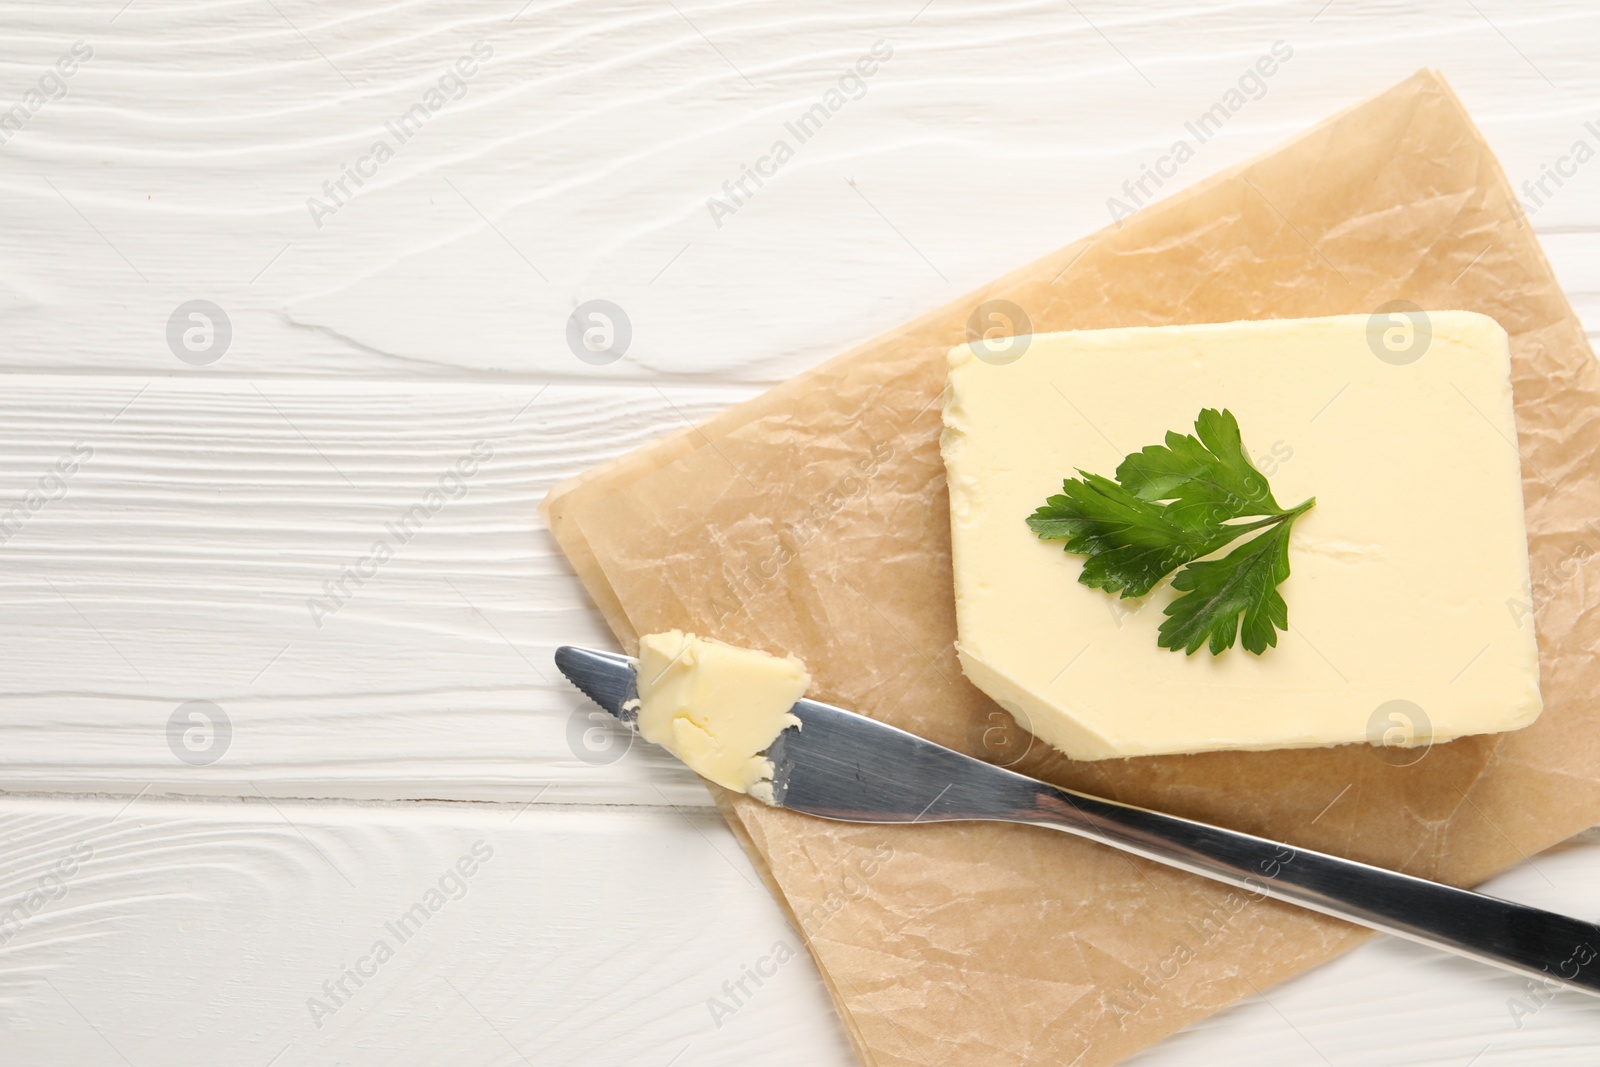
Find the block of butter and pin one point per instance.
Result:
(1406, 577)
(717, 707)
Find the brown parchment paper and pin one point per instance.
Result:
(813, 519)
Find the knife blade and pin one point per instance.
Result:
(841, 765)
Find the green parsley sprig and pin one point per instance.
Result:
(1170, 505)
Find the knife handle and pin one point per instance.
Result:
(1541, 944)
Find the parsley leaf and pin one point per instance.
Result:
(1171, 505)
(1131, 543)
(1217, 591)
(1209, 478)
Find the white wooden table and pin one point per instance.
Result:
(260, 713)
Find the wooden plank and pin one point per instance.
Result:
(172, 932)
(578, 162)
(352, 572)
(197, 932)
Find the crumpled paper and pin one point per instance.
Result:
(813, 520)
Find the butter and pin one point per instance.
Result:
(717, 707)
(1409, 578)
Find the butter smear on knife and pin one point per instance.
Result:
(717, 707)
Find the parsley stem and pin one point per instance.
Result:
(1273, 520)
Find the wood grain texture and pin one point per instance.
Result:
(373, 616)
(579, 160)
(369, 353)
(176, 933)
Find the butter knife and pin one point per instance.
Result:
(844, 766)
